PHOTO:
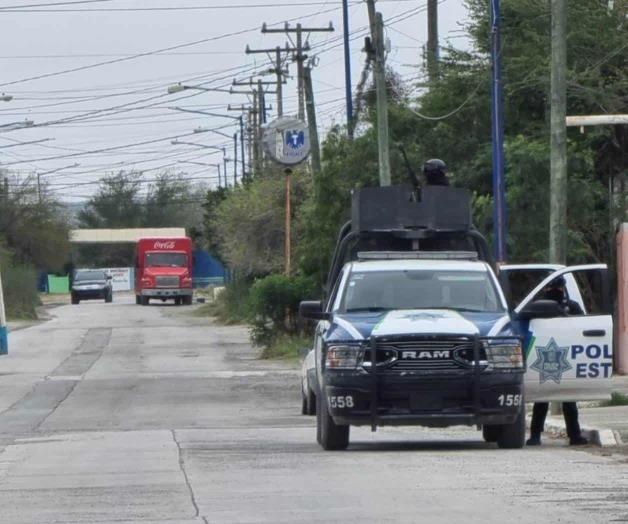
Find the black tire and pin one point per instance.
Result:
(187, 300)
(310, 402)
(177, 301)
(491, 433)
(332, 436)
(303, 403)
(109, 298)
(138, 300)
(513, 436)
(144, 301)
(75, 300)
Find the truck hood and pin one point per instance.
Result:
(360, 326)
(165, 271)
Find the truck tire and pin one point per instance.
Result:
(144, 301)
(187, 300)
(138, 300)
(109, 298)
(311, 403)
(177, 301)
(491, 433)
(332, 436)
(513, 436)
(75, 300)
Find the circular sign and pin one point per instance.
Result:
(287, 141)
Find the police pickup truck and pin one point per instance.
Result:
(417, 329)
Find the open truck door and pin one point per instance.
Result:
(569, 355)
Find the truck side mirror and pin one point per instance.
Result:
(313, 310)
(542, 309)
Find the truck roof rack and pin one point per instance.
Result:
(418, 255)
(400, 219)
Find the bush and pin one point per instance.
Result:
(274, 304)
(20, 291)
(231, 305)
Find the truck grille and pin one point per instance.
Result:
(424, 355)
(166, 281)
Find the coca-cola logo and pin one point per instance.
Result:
(168, 244)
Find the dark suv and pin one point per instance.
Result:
(91, 284)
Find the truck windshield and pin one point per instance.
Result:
(89, 275)
(472, 291)
(166, 260)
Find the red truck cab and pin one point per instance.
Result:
(163, 270)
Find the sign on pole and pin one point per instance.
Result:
(287, 141)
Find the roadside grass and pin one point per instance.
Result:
(286, 347)
(617, 399)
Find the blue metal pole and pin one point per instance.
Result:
(4, 345)
(497, 138)
(349, 100)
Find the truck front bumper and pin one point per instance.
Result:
(432, 401)
(166, 292)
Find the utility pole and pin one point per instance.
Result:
(242, 109)
(558, 140)
(347, 53)
(497, 136)
(311, 120)
(277, 69)
(377, 49)
(432, 40)
(299, 55)
(39, 188)
(235, 159)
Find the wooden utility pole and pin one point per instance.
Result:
(277, 69)
(299, 55)
(315, 152)
(432, 40)
(558, 140)
(377, 48)
(288, 225)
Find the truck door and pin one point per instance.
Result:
(569, 354)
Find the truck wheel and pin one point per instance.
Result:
(187, 300)
(311, 403)
(513, 436)
(491, 433)
(138, 301)
(332, 436)
(75, 300)
(144, 301)
(177, 301)
(109, 298)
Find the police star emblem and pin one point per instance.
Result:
(551, 362)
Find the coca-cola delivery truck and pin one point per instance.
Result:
(163, 270)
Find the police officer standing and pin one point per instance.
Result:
(555, 290)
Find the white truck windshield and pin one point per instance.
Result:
(420, 289)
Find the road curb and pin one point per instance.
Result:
(602, 437)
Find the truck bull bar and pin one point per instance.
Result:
(476, 372)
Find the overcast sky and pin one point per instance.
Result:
(126, 102)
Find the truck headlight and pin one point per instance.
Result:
(343, 357)
(505, 355)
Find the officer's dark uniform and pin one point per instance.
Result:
(556, 291)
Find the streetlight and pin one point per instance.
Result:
(17, 125)
(204, 165)
(179, 88)
(176, 142)
(240, 120)
(39, 175)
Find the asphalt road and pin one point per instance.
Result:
(121, 413)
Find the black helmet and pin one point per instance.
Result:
(434, 166)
